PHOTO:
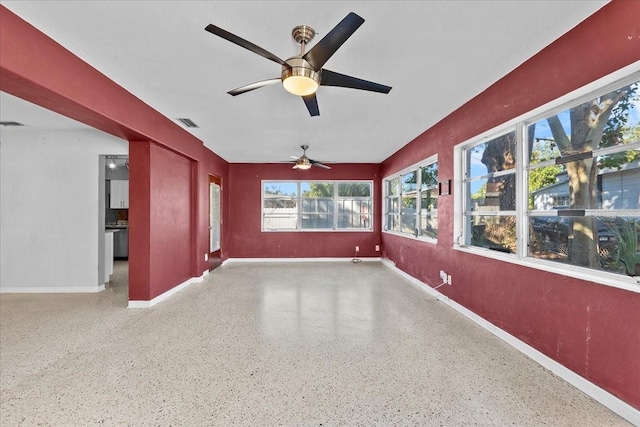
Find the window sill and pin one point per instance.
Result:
(412, 237)
(320, 230)
(609, 279)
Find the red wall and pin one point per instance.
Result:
(169, 217)
(590, 328)
(169, 183)
(162, 220)
(247, 239)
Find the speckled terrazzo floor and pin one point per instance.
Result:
(311, 344)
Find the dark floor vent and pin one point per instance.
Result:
(10, 124)
(188, 123)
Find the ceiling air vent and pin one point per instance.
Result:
(188, 123)
(10, 124)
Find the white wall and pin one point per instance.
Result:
(49, 214)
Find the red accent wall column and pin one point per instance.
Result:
(140, 220)
(172, 224)
(162, 221)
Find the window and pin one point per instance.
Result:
(311, 205)
(561, 187)
(411, 201)
(490, 186)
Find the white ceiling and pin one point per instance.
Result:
(435, 54)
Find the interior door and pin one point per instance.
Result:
(215, 222)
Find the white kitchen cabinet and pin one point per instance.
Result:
(119, 194)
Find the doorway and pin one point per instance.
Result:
(215, 222)
(113, 222)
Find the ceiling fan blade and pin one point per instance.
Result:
(312, 104)
(252, 86)
(325, 48)
(244, 43)
(318, 164)
(331, 78)
(294, 157)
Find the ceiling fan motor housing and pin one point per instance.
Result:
(301, 73)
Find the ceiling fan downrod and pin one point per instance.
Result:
(303, 34)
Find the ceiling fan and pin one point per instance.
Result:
(302, 74)
(304, 162)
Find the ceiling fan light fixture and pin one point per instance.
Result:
(300, 85)
(303, 162)
(299, 78)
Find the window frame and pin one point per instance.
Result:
(468, 213)
(417, 193)
(520, 123)
(336, 199)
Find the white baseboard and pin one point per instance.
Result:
(167, 294)
(607, 399)
(248, 260)
(51, 289)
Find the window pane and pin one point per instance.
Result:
(429, 226)
(428, 201)
(362, 221)
(493, 194)
(410, 182)
(620, 185)
(549, 237)
(354, 206)
(409, 206)
(611, 178)
(493, 232)
(317, 205)
(393, 187)
(543, 147)
(496, 155)
(280, 221)
(393, 222)
(393, 205)
(430, 175)
(281, 189)
(316, 189)
(429, 213)
(280, 205)
(310, 221)
(575, 130)
(354, 189)
(601, 243)
(548, 188)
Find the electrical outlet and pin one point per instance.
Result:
(443, 276)
(357, 248)
(449, 279)
(377, 248)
